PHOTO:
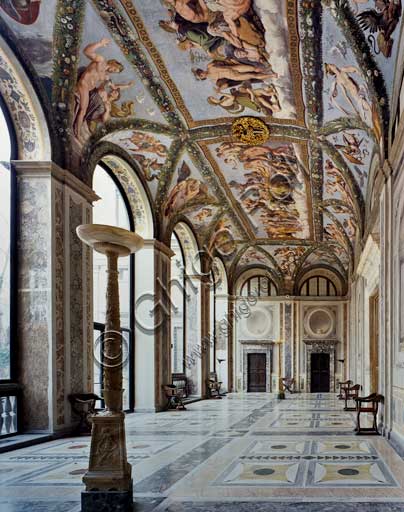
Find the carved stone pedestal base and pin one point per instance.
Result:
(109, 476)
(110, 501)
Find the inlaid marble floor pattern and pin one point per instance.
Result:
(244, 453)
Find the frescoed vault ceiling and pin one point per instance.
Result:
(161, 81)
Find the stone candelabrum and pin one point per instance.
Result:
(109, 477)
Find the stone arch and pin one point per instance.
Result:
(24, 107)
(321, 271)
(190, 247)
(136, 194)
(255, 270)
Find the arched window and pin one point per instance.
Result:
(7, 240)
(318, 286)
(112, 209)
(212, 333)
(259, 286)
(178, 312)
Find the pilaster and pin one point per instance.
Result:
(54, 294)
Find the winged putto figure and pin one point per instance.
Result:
(383, 20)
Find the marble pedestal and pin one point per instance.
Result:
(108, 480)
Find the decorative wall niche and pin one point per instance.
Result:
(262, 323)
(320, 322)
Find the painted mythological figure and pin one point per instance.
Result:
(382, 20)
(270, 185)
(96, 94)
(25, 12)
(233, 38)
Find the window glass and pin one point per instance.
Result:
(177, 309)
(5, 245)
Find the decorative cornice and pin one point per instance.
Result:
(33, 169)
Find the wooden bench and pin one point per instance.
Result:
(214, 386)
(180, 381)
(351, 393)
(83, 404)
(174, 397)
(288, 384)
(367, 404)
(342, 387)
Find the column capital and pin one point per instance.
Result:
(46, 169)
(159, 246)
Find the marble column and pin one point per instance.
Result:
(152, 326)
(206, 333)
(54, 294)
(109, 477)
(231, 344)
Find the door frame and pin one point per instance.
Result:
(251, 348)
(311, 370)
(261, 356)
(328, 346)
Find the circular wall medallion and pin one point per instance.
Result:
(319, 323)
(259, 323)
(250, 130)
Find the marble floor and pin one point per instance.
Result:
(243, 453)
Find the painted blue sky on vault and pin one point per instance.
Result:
(337, 52)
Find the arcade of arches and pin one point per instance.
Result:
(253, 278)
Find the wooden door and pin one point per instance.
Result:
(320, 373)
(257, 373)
(374, 342)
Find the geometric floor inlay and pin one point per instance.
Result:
(247, 452)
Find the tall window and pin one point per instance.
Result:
(178, 299)
(259, 286)
(212, 333)
(113, 210)
(6, 241)
(318, 286)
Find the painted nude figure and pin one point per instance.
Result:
(94, 77)
(218, 70)
(349, 87)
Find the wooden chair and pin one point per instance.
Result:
(180, 381)
(174, 397)
(351, 393)
(288, 384)
(368, 404)
(342, 386)
(214, 386)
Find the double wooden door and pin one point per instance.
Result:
(320, 373)
(257, 373)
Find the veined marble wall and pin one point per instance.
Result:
(54, 294)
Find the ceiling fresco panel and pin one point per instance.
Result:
(223, 61)
(267, 185)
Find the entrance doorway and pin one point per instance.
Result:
(257, 373)
(320, 373)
